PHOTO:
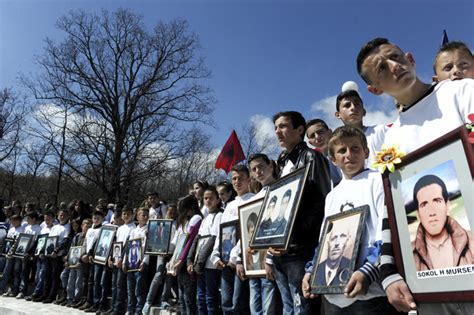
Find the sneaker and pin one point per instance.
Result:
(91, 309)
(84, 306)
(20, 296)
(59, 301)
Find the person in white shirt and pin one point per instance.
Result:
(12, 265)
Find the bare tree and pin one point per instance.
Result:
(254, 142)
(129, 91)
(12, 117)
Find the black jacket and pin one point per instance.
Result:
(305, 235)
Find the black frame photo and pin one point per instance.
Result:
(274, 227)
(201, 242)
(74, 256)
(229, 235)
(117, 252)
(7, 246)
(338, 250)
(104, 244)
(159, 237)
(134, 255)
(50, 246)
(22, 245)
(253, 259)
(441, 171)
(40, 244)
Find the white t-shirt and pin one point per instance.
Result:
(375, 136)
(210, 226)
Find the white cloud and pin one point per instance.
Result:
(265, 134)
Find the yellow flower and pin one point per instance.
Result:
(387, 158)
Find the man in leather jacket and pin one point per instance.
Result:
(289, 265)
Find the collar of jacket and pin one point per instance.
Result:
(292, 155)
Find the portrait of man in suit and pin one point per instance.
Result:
(279, 223)
(334, 270)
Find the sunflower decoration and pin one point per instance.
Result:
(470, 127)
(387, 158)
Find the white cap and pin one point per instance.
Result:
(350, 85)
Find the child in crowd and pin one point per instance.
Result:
(318, 134)
(199, 187)
(454, 61)
(75, 282)
(207, 275)
(88, 264)
(28, 264)
(136, 286)
(13, 265)
(226, 193)
(189, 221)
(360, 186)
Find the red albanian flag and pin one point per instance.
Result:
(231, 153)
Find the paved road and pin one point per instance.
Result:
(12, 306)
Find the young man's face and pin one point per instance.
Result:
(142, 218)
(349, 156)
(389, 70)
(126, 217)
(432, 209)
(318, 136)
(287, 136)
(153, 200)
(97, 219)
(351, 111)
(210, 199)
(48, 220)
(30, 221)
(454, 65)
(261, 170)
(241, 182)
(62, 217)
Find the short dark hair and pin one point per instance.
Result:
(365, 51)
(258, 156)
(33, 215)
(152, 193)
(347, 94)
(346, 132)
(295, 117)
(202, 183)
(449, 47)
(241, 168)
(426, 181)
(316, 121)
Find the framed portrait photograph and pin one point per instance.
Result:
(134, 255)
(182, 238)
(338, 249)
(104, 244)
(229, 235)
(430, 204)
(117, 252)
(253, 259)
(40, 244)
(22, 245)
(51, 244)
(7, 246)
(74, 256)
(159, 237)
(201, 242)
(278, 212)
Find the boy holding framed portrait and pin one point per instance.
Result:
(335, 273)
(12, 263)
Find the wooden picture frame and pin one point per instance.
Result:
(274, 227)
(134, 254)
(50, 246)
(228, 237)
(450, 159)
(40, 244)
(180, 243)
(104, 244)
(159, 237)
(253, 260)
(339, 246)
(22, 245)
(74, 256)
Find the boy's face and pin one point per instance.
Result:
(241, 182)
(62, 217)
(126, 217)
(142, 217)
(318, 136)
(97, 219)
(261, 170)
(210, 199)
(454, 65)
(349, 156)
(351, 111)
(287, 135)
(85, 227)
(389, 70)
(48, 220)
(30, 221)
(16, 223)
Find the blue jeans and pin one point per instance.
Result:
(75, 284)
(263, 298)
(65, 277)
(27, 266)
(234, 293)
(289, 272)
(187, 291)
(102, 285)
(156, 284)
(211, 279)
(136, 291)
(120, 286)
(12, 269)
(39, 278)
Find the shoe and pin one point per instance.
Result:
(39, 299)
(59, 301)
(77, 304)
(63, 303)
(68, 304)
(84, 306)
(20, 296)
(32, 297)
(47, 301)
(91, 309)
(12, 294)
